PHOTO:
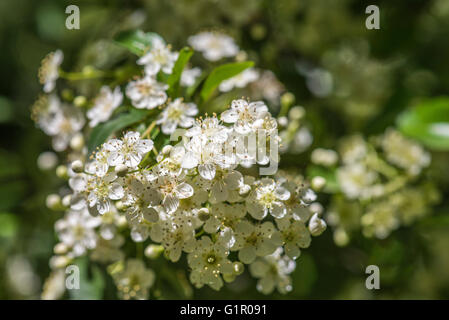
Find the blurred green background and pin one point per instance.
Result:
(365, 79)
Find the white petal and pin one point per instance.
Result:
(207, 171)
(184, 190)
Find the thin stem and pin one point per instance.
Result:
(148, 130)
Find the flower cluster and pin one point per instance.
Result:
(199, 197)
(381, 184)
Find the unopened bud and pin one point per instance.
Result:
(77, 166)
(60, 248)
(57, 262)
(296, 113)
(67, 200)
(153, 251)
(316, 225)
(203, 214)
(61, 172)
(287, 99)
(47, 160)
(238, 267)
(53, 202)
(80, 101)
(318, 183)
(120, 205)
(341, 238)
(228, 277)
(77, 142)
(283, 121)
(167, 149)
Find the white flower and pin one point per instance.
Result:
(205, 147)
(324, 157)
(355, 180)
(214, 46)
(294, 235)
(61, 121)
(177, 113)
(176, 234)
(160, 57)
(129, 150)
(188, 76)
(170, 165)
(48, 72)
(208, 261)
(240, 80)
(273, 272)
(267, 197)
(296, 208)
(100, 191)
(140, 200)
(99, 166)
(146, 93)
(404, 153)
(134, 281)
(76, 231)
(223, 215)
(171, 190)
(244, 115)
(254, 240)
(224, 182)
(105, 103)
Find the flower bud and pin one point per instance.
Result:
(77, 142)
(153, 251)
(80, 101)
(238, 267)
(283, 121)
(53, 202)
(60, 248)
(120, 205)
(318, 183)
(287, 99)
(61, 172)
(341, 238)
(228, 277)
(167, 149)
(77, 166)
(67, 200)
(47, 160)
(203, 214)
(57, 262)
(296, 113)
(316, 225)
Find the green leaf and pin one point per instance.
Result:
(136, 41)
(427, 123)
(173, 79)
(221, 73)
(101, 132)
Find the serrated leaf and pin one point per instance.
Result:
(101, 132)
(136, 41)
(175, 76)
(220, 74)
(427, 123)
